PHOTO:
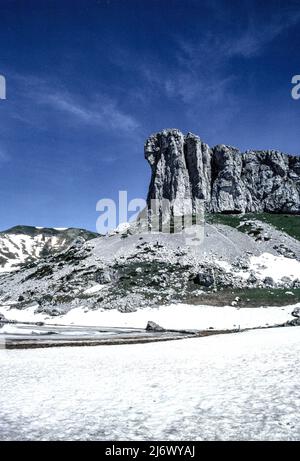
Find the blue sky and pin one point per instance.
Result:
(88, 81)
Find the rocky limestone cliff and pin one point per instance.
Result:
(227, 180)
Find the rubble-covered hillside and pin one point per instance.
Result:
(249, 261)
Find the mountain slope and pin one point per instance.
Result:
(25, 244)
(134, 270)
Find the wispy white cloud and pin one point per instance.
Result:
(198, 74)
(253, 39)
(202, 77)
(256, 39)
(246, 39)
(105, 113)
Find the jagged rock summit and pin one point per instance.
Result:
(227, 180)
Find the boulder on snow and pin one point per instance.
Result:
(152, 326)
(296, 321)
(2, 319)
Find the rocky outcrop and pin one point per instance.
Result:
(181, 168)
(225, 179)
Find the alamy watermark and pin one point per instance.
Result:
(179, 216)
(296, 88)
(2, 87)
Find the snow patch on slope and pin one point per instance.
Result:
(93, 289)
(16, 249)
(277, 267)
(120, 229)
(266, 265)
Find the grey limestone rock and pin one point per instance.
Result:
(225, 179)
(152, 326)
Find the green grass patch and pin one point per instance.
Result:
(290, 224)
(232, 220)
(250, 297)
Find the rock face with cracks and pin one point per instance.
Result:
(184, 169)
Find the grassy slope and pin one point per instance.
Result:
(286, 223)
(251, 297)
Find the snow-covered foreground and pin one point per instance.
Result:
(237, 386)
(174, 316)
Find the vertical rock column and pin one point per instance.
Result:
(165, 154)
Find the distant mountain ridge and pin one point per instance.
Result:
(24, 244)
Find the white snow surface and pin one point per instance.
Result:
(242, 386)
(55, 228)
(277, 267)
(22, 315)
(268, 265)
(120, 229)
(184, 316)
(93, 289)
(173, 316)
